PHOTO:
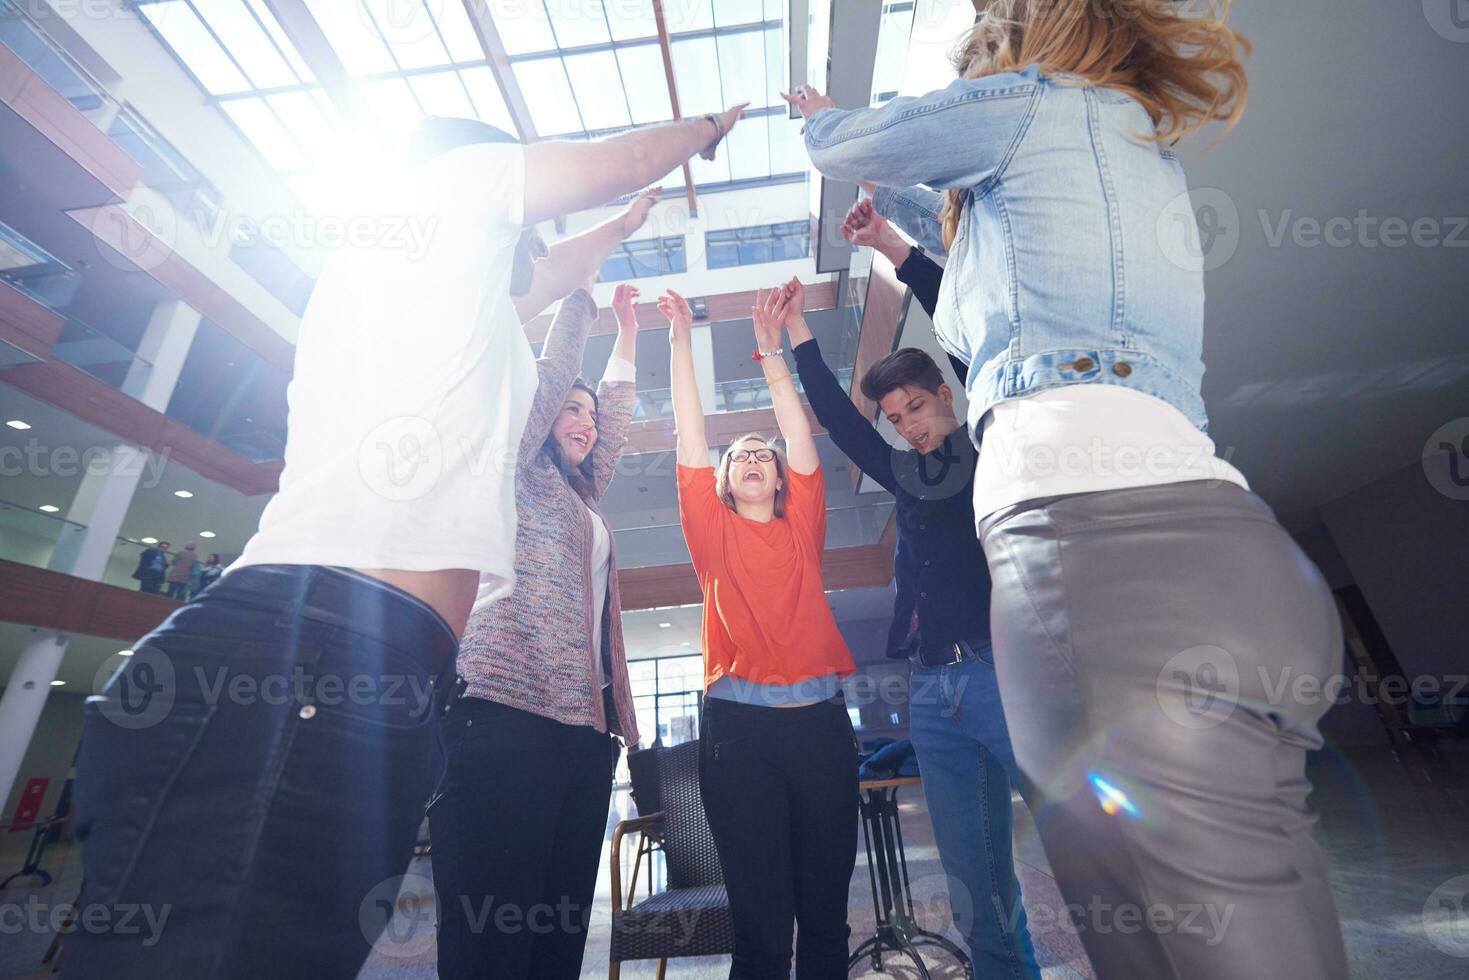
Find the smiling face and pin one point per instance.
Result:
(751, 481)
(921, 416)
(575, 428)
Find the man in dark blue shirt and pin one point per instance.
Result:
(941, 616)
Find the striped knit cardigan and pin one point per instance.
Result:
(533, 649)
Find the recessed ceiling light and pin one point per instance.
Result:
(58, 683)
(685, 643)
(206, 534)
(18, 424)
(50, 508)
(149, 540)
(664, 626)
(124, 653)
(183, 493)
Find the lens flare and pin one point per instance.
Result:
(1113, 800)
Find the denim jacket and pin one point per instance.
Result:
(1077, 257)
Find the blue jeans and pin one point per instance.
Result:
(958, 730)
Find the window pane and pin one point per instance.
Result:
(440, 94)
(748, 149)
(458, 32)
(775, 67)
(487, 99)
(548, 94)
(192, 43)
(247, 42)
(408, 29)
(646, 85)
(579, 22)
(787, 146)
(524, 27)
(710, 172)
(631, 20)
(261, 128)
(727, 12)
(345, 24)
(273, 27)
(696, 71)
(687, 15)
(742, 69)
(393, 104)
(598, 88)
(303, 119)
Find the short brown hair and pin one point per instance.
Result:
(903, 368)
(721, 475)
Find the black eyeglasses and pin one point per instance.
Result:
(761, 455)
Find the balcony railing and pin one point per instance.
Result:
(663, 544)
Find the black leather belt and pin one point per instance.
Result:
(947, 655)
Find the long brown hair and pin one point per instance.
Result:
(1186, 71)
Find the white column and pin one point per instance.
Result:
(24, 698)
(101, 502)
(701, 345)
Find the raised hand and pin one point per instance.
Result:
(624, 302)
(637, 210)
(863, 225)
(680, 317)
(795, 299)
(769, 314)
(727, 120)
(808, 100)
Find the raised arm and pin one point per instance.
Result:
(769, 314)
(864, 225)
(558, 366)
(617, 393)
(853, 434)
(572, 261)
(688, 412)
(562, 176)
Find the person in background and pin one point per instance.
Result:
(778, 758)
(941, 617)
(181, 573)
(1128, 560)
(411, 386)
(205, 575)
(532, 734)
(152, 567)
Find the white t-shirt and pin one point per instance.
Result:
(412, 384)
(1085, 438)
(601, 566)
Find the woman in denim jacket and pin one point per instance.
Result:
(1146, 605)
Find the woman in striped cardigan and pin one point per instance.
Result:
(531, 736)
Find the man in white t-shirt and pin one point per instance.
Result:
(260, 765)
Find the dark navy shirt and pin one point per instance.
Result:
(942, 579)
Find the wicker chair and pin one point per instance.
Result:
(691, 916)
(643, 768)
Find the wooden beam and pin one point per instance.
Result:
(688, 175)
(47, 599)
(494, 49)
(27, 324)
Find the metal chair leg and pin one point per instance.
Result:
(662, 968)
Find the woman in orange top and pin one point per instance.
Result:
(778, 760)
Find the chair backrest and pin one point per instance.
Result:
(643, 768)
(688, 845)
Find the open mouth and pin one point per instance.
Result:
(580, 438)
(919, 439)
(754, 476)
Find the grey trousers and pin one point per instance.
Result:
(1161, 654)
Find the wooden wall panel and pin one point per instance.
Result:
(53, 600)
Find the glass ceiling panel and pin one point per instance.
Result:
(303, 119)
(392, 102)
(547, 92)
(598, 88)
(645, 84)
(742, 69)
(407, 27)
(236, 27)
(488, 102)
(687, 15)
(457, 32)
(525, 29)
(346, 26)
(730, 12)
(748, 149)
(187, 35)
(283, 43)
(262, 128)
(577, 22)
(442, 94)
(696, 71)
(631, 21)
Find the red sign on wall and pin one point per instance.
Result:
(28, 809)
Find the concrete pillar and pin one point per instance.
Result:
(701, 345)
(24, 698)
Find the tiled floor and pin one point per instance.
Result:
(1391, 842)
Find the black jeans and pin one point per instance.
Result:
(517, 834)
(254, 779)
(780, 792)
